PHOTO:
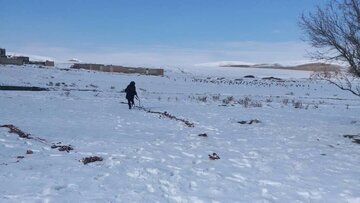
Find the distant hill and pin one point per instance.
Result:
(304, 67)
(317, 67)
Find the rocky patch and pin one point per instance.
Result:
(22, 134)
(354, 138)
(167, 115)
(91, 159)
(249, 122)
(62, 148)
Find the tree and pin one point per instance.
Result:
(334, 30)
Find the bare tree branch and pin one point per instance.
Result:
(334, 30)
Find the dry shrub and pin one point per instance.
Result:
(298, 104)
(228, 100)
(202, 99)
(285, 102)
(216, 97)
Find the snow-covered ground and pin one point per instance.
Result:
(296, 153)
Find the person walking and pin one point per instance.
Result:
(131, 93)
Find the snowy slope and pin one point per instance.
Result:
(292, 155)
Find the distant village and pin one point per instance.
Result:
(21, 60)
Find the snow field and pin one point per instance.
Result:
(292, 155)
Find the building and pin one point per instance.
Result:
(118, 69)
(43, 63)
(20, 60)
(14, 60)
(2, 53)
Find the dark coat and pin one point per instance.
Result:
(130, 91)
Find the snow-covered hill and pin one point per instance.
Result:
(289, 65)
(286, 139)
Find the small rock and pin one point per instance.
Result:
(249, 122)
(214, 156)
(29, 151)
(254, 121)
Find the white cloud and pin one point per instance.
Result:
(276, 31)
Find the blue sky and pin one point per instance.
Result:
(155, 32)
